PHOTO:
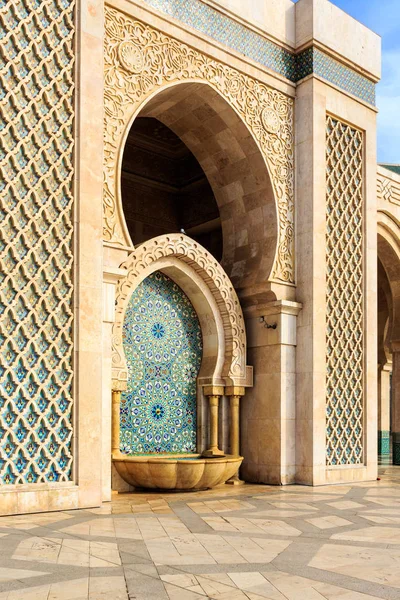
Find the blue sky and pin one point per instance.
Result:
(383, 17)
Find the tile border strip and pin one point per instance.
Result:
(242, 39)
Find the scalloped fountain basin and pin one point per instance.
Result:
(176, 471)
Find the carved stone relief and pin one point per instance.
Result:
(140, 60)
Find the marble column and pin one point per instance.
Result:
(396, 402)
(234, 394)
(111, 276)
(213, 393)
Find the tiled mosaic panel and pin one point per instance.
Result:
(344, 295)
(163, 347)
(36, 227)
(384, 443)
(244, 40)
(343, 77)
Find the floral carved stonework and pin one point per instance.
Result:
(139, 60)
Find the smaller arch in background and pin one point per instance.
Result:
(389, 256)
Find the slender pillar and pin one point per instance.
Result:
(116, 405)
(213, 394)
(396, 402)
(117, 388)
(384, 373)
(235, 394)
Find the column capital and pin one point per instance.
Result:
(113, 274)
(235, 390)
(119, 386)
(213, 390)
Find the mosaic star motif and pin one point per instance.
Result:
(163, 347)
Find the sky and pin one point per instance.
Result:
(383, 17)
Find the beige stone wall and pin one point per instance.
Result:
(315, 100)
(81, 110)
(322, 22)
(276, 18)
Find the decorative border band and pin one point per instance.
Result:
(244, 40)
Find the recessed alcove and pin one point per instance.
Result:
(164, 189)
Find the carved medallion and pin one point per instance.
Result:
(131, 57)
(270, 120)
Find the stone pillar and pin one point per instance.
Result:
(269, 414)
(384, 374)
(332, 122)
(234, 394)
(111, 276)
(213, 393)
(117, 388)
(396, 403)
(115, 427)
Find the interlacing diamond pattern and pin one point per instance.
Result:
(344, 309)
(36, 228)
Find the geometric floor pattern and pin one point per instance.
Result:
(233, 543)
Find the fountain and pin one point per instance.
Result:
(155, 418)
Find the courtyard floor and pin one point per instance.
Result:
(232, 543)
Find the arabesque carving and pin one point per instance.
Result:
(234, 370)
(139, 60)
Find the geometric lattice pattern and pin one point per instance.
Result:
(36, 228)
(163, 348)
(344, 296)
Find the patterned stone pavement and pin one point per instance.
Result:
(243, 543)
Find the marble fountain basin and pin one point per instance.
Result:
(177, 472)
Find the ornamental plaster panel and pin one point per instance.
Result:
(141, 61)
(146, 259)
(388, 190)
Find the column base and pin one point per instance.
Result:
(235, 481)
(213, 453)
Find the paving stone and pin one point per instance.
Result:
(253, 543)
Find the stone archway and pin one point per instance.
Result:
(223, 368)
(208, 287)
(389, 257)
(141, 63)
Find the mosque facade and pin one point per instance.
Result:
(200, 256)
